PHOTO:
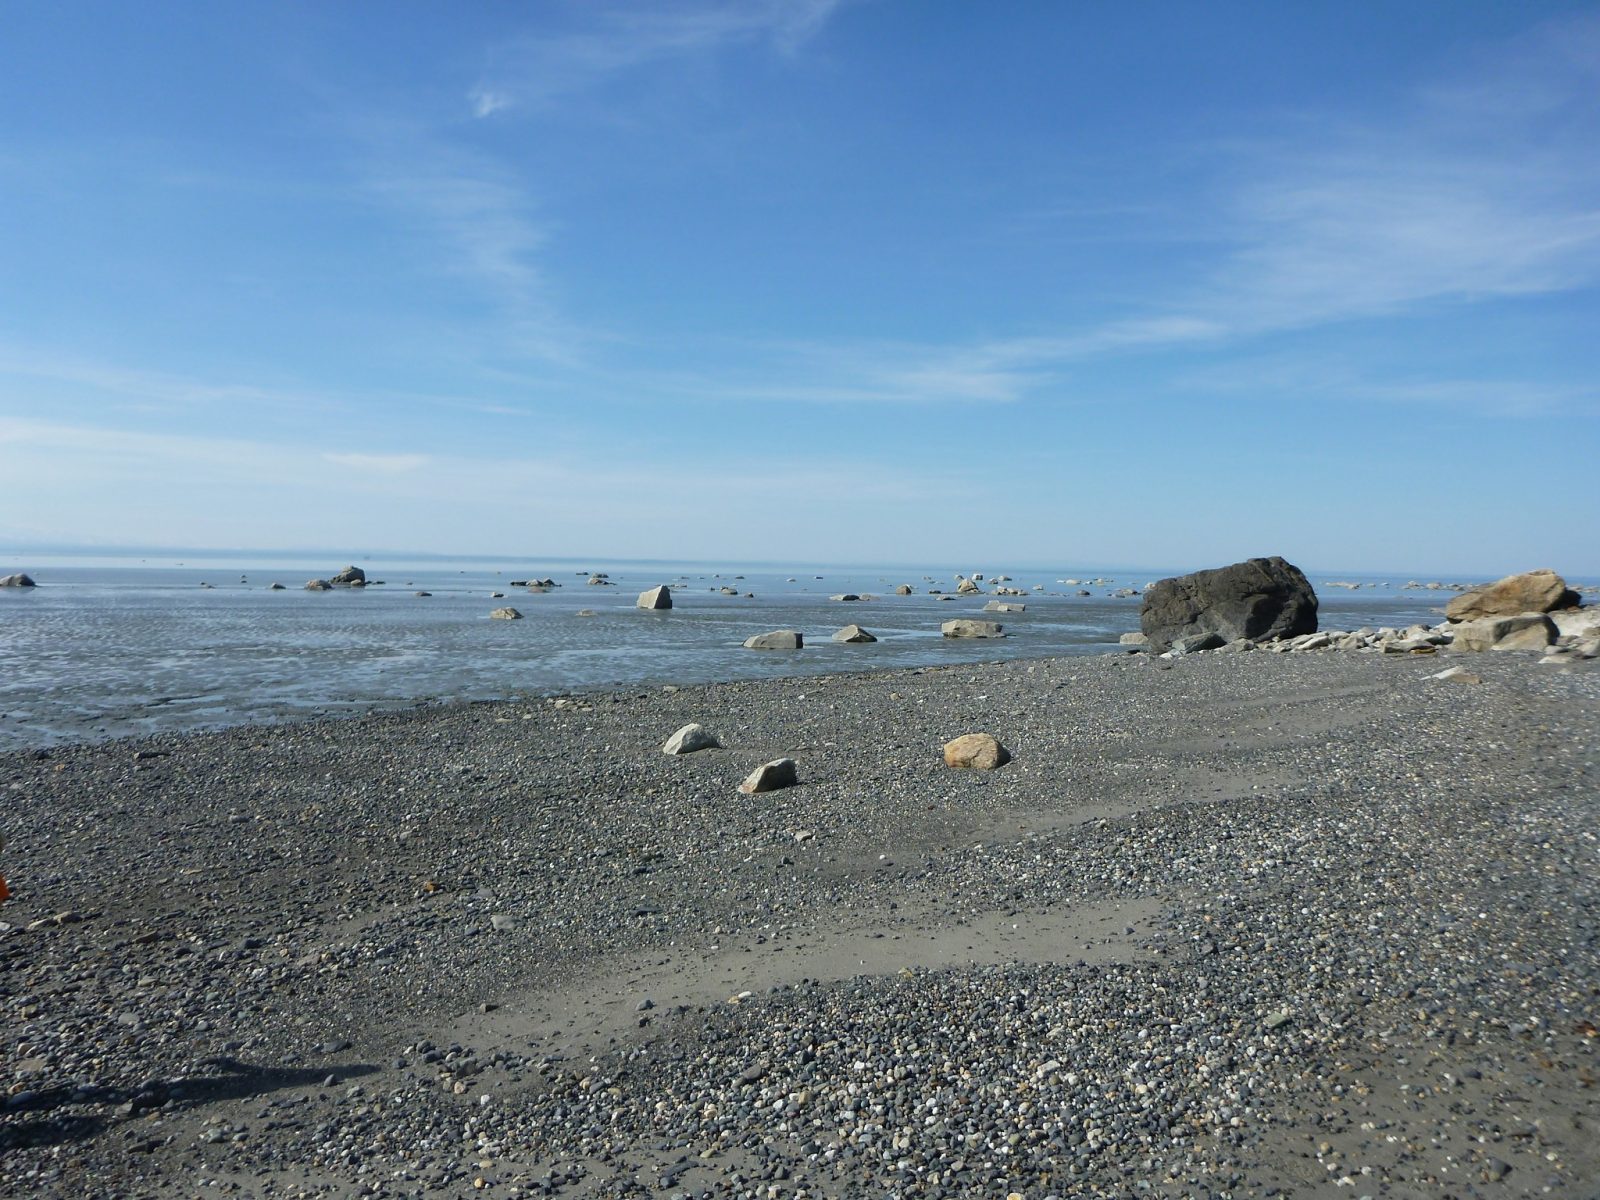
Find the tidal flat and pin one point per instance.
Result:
(1226, 925)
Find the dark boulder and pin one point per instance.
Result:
(350, 576)
(19, 580)
(1261, 599)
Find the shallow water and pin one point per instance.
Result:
(107, 648)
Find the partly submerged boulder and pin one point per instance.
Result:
(319, 585)
(506, 614)
(853, 633)
(1531, 592)
(656, 597)
(1259, 599)
(20, 579)
(778, 639)
(971, 629)
(350, 575)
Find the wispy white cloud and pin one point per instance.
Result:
(1459, 199)
(68, 475)
(536, 70)
(386, 464)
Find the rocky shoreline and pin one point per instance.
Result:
(1226, 924)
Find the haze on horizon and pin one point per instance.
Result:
(807, 281)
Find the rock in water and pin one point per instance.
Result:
(1531, 592)
(769, 777)
(999, 606)
(319, 585)
(690, 738)
(966, 587)
(656, 597)
(853, 633)
(1260, 599)
(506, 614)
(971, 629)
(976, 752)
(903, 589)
(778, 639)
(350, 575)
(20, 579)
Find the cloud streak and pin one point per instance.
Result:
(536, 71)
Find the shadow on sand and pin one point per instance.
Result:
(33, 1118)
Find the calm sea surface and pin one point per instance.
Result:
(108, 648)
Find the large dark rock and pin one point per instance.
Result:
(20, 579)
(349, 576)
(1260, 599)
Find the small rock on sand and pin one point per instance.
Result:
(690, 738)
(769, 777)
(1458, 675)
(976, 752)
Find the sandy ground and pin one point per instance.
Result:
(1236, 925)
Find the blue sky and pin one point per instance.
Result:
(851, 282)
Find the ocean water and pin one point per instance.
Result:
(108, 647)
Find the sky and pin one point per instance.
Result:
(883, 281)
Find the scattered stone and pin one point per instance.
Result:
(1136, 638)
(1194, 643)
(506, 614)
(769, 777)
(1000, 606)
(853, 633)
(967, 587)
(319, 585)
(690, 738)
(277, 587)
(976, 752)
(778, 639)
(903, 589)
(655, 598)
(1260, 599)
(845, 597)
(19, 580)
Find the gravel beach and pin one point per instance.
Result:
(1226, 925)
